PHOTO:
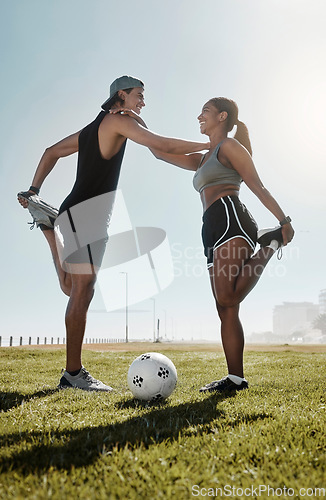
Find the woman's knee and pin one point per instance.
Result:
(227, 299)
(226, 312)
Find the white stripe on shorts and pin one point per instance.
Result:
(252, 244)
(245, 235)
(227, 224)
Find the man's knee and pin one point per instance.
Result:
(87, 288)
(66, 289)
(65, 283)
(83, 285)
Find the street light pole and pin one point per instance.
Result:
(164, 310)
(122, 272)
(154, 339)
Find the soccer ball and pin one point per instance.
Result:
(152, 376)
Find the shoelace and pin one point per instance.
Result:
(32, 224)
(87, 376)
(220, 382)
(216, 383)
(279, 253)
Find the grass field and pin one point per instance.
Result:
(266, 442)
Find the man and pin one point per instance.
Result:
(77, 233)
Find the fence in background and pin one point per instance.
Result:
(52, 341)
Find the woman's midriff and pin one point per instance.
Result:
(213, 193)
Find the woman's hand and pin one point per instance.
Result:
(123, 111)
(287, 233)
(128, 112)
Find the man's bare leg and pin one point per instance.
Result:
(83, 277)
(64, 277)
(82, 291)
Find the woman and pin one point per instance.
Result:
(229, 232)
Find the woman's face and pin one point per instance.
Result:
(208, 118)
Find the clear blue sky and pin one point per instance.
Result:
(58, 59)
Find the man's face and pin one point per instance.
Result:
(134, 100)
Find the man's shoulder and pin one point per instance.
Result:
(111, 119)
(117, 122)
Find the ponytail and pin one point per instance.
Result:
(242, 136)
(231, 107)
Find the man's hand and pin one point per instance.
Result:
(26, 194)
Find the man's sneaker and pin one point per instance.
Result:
(83, 381)
(225, 385)
(42, 212)
(265, 236)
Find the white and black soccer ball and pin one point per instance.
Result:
(152, 376)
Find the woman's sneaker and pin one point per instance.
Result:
(224, 385)
(83, 380)
(265, 236)
(42, 213)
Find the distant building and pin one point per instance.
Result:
(295, 318)
(322, 302)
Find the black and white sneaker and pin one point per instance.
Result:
(265, 236)
(223, 386)
(42, 212)
(83, 380)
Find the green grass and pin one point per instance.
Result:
(77, 445)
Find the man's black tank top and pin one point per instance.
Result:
(95, 175)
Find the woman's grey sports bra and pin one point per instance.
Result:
(212, 173)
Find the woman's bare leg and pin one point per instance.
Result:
(237, 271)
(234, 274)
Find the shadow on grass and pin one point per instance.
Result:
(10, 400)
(136, 403)
(40, 451)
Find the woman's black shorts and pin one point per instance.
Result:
(227, 218)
